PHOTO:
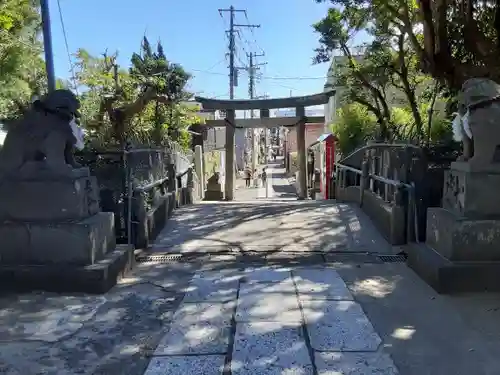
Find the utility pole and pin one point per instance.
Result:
(47, 45)
(232, 47)
(232, 50)
(252, 68)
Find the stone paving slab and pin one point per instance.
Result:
(264, 348)
(339, 326)
(186, 365)
(222, 275)
(267, 275)
(354, 364)
(201, 338)
(314, 283)
(206, 290)
(214, 313)
(285, 287)
(269, 307)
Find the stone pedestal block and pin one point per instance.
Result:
(95, 278)
(462, 249)
(472, 192)
(48, 199)
(461, 239)
(214, 195)
(64, 243)
(214, 191)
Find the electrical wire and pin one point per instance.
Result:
(71, 65)
(254, 36)
(215, 65)
(267, 77)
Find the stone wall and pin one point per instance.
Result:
(388, 217)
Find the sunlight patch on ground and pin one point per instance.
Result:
(377, 287)
(404, 333)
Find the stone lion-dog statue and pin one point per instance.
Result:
(44, 137)
(476, 124)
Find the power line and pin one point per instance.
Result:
(71, 65)
(267, 77)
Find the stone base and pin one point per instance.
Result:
(461, 239)
(78, 243)
(448, 277)
(97, 278)
(211, 195)
(48, 199)
(472, 191)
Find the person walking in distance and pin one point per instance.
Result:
(264, 176)
(248, 176)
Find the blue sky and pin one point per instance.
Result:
(193, 34)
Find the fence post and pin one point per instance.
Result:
(364, 180)
(129, 185)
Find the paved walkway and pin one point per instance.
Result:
(264, 286)
(277, 185)
(270, 321)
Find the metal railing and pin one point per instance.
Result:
(412, 231)
(132, 178)
(176, 164)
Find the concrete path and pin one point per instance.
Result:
(264, 286)
(277, 185)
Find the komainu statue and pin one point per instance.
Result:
(44, 138)
(477, 124)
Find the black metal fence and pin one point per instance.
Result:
(141, 187)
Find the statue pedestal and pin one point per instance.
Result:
(472, 192)
(54, 236)
(214, 189)
(33, 199)
(462, 249)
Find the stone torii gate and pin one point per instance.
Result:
(264, 105)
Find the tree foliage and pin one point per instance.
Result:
(453, 39)
(136, 104)
(355, 125)
(382, 73)
(22, 70)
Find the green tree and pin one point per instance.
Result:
(134, 104)
(22, 71)
(354, 126)
(460, 39)
(387, 66)
(453, 39)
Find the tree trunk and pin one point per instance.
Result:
(408, 90)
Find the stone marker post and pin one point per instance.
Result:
(198, 167)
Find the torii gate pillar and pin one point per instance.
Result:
(229, 178)
(264, 113)
(301, 153)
